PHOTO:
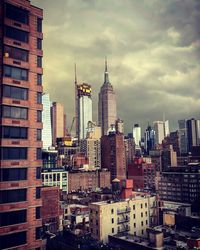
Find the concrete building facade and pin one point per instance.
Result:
(46, 119)
(21, 124)
(132, 216)
(57, 118)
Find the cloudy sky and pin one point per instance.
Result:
(153, 51)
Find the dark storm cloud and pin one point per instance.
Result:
(153, 50)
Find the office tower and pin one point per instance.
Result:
(84, 109)
(137, 135)
(46, 119)
(192, 133)
(91, 146)
(149, 139)
(168, 158)
(107, 104)
(161, 129)
(113, 155)
(174, 140)
(183, 136)
(129, 145)
(21, 124)
(57, 116)
(119, 124)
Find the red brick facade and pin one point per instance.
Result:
(29, 204)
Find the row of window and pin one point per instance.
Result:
(18, 113)
(20, 15)
(20, 54)
(19, 93)
(16, 174)
(17, 239)
(17, 217)
(19, 74)
(18, 153)
(10, 132)
(16, 195)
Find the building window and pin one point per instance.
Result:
(15, 112)
(11, 153)
(112, 211)
(16, 34)
(16, 195)
(39, 154)
(133, 216)
(113, 230)
(133, 207)
(97, 232)
(146, 222)
(16, 53)
(142, 214)
(38, 233)
(141, 205)
(39, 97)
(38, 212)
(142, 231)
(39, 43)
(145, 205)
(39, 134)
(39, 116)
(39, 79)
(39, 61)
(38, 173)
(10, 132)
(142, 223)
(39, 24)
(146, 213)
(12, 240)
(38, 193)
(15, 92)
(17, 14)
(13, 174)
(12, 218)
(16, 73)
(134, 225)
(112, 220)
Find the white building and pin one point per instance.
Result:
(137, 135)
(55, 177)
(84, 106)
(46, 119)
(161, 129)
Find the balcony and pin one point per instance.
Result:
(123, 229)
(123, 220)
(122, 211)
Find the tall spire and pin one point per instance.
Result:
(75, 75)
(106, 76)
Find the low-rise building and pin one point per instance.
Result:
(88, 180)
(133, 216)
(55, 177)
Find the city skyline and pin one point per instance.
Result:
(152, 49)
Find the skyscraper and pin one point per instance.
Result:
(137, 135)
(57, 116)
(161, 129)
(193, 128)
(107, 104)
(183, 136)
(149, 139)
(21, 124)
(46, 119)
(84, 109)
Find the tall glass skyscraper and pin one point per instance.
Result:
(46, 118)
(84, 109)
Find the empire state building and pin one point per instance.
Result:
(107, 104)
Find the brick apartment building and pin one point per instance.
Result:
(21, 124)
(88, 180)
(50, 208)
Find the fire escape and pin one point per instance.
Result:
(123, 219)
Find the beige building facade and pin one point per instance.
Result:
(133, 216)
